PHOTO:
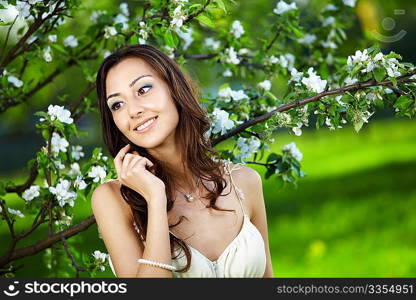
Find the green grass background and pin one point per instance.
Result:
(352, 216)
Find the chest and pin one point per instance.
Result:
(208, 228)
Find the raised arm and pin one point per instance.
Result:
(114, 221)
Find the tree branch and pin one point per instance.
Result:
(352, 87)
(48, 242)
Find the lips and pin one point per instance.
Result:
(144, 122)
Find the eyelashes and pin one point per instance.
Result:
(115, 106)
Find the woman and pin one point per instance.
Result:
(170, 180)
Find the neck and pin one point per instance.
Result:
(170, 154)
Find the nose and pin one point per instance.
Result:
(134, 108)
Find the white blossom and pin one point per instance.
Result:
(247, 146)
(297, 131)
(23, 8)
(243, 51)
(283, 119)
(293, 151)
(226, 94)
(16, 212)
(185, 36)
(237, 29)
(287, 60)
(338, 99)
(47, 54)
(70, 41)
(329, 44)
(169, 51)
(221, 121)
(74, 169)
(58, 143)
(349, 2)
(307, 39)
(266, 85)
(124, 8)
(80, 183)
(98, 174)
(358, 57)
(109, 31)
(31, 193)
(231, 56)
(13, 80)
(31, 39)
(60, 113)
(76, 152)
(100, 256)
(314, 82)
(282, 7)
(58, 163)
(178, 17)
(349, 80)
(295, 75)
(210, 42)
(328, 21)
(331, 7)
(227, 73)
(272, 60)
(96, 14)
(52, 38)
(123, 20)
(62, 193)
(106, 53)
(143, 32)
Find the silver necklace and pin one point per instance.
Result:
(189, 196)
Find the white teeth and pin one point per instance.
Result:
(145, 124)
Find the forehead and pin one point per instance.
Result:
(121, 74)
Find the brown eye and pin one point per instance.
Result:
(115, 106)
(143, 90)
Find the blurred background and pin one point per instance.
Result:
(353, 215)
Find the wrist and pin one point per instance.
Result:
(157, 202)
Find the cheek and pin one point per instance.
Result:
(120, 122)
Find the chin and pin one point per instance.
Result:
(147, 142)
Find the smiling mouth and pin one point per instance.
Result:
(146, 126)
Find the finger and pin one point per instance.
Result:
(118, 159)
(133, 161)
(143, 163)
(125, 163)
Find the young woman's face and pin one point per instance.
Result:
(136, 94)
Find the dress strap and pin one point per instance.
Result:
(238, 192)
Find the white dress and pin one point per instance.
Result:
(244, 257)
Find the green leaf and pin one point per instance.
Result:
(358, 125)
(221, 5)
(204, 19)
(379, 74)
(169, 39)
(59, 48)
(134, 39)
(393, 80)
(403, 102)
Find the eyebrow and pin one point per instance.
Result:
(130, 85)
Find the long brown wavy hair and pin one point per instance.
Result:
(197, 152)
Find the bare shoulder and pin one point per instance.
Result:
(249, 181)
(245, 175)
(107, 195)
(114, 222)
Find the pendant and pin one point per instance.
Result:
(189, 197)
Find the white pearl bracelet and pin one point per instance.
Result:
(156, 264)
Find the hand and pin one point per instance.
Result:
(132, 172)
